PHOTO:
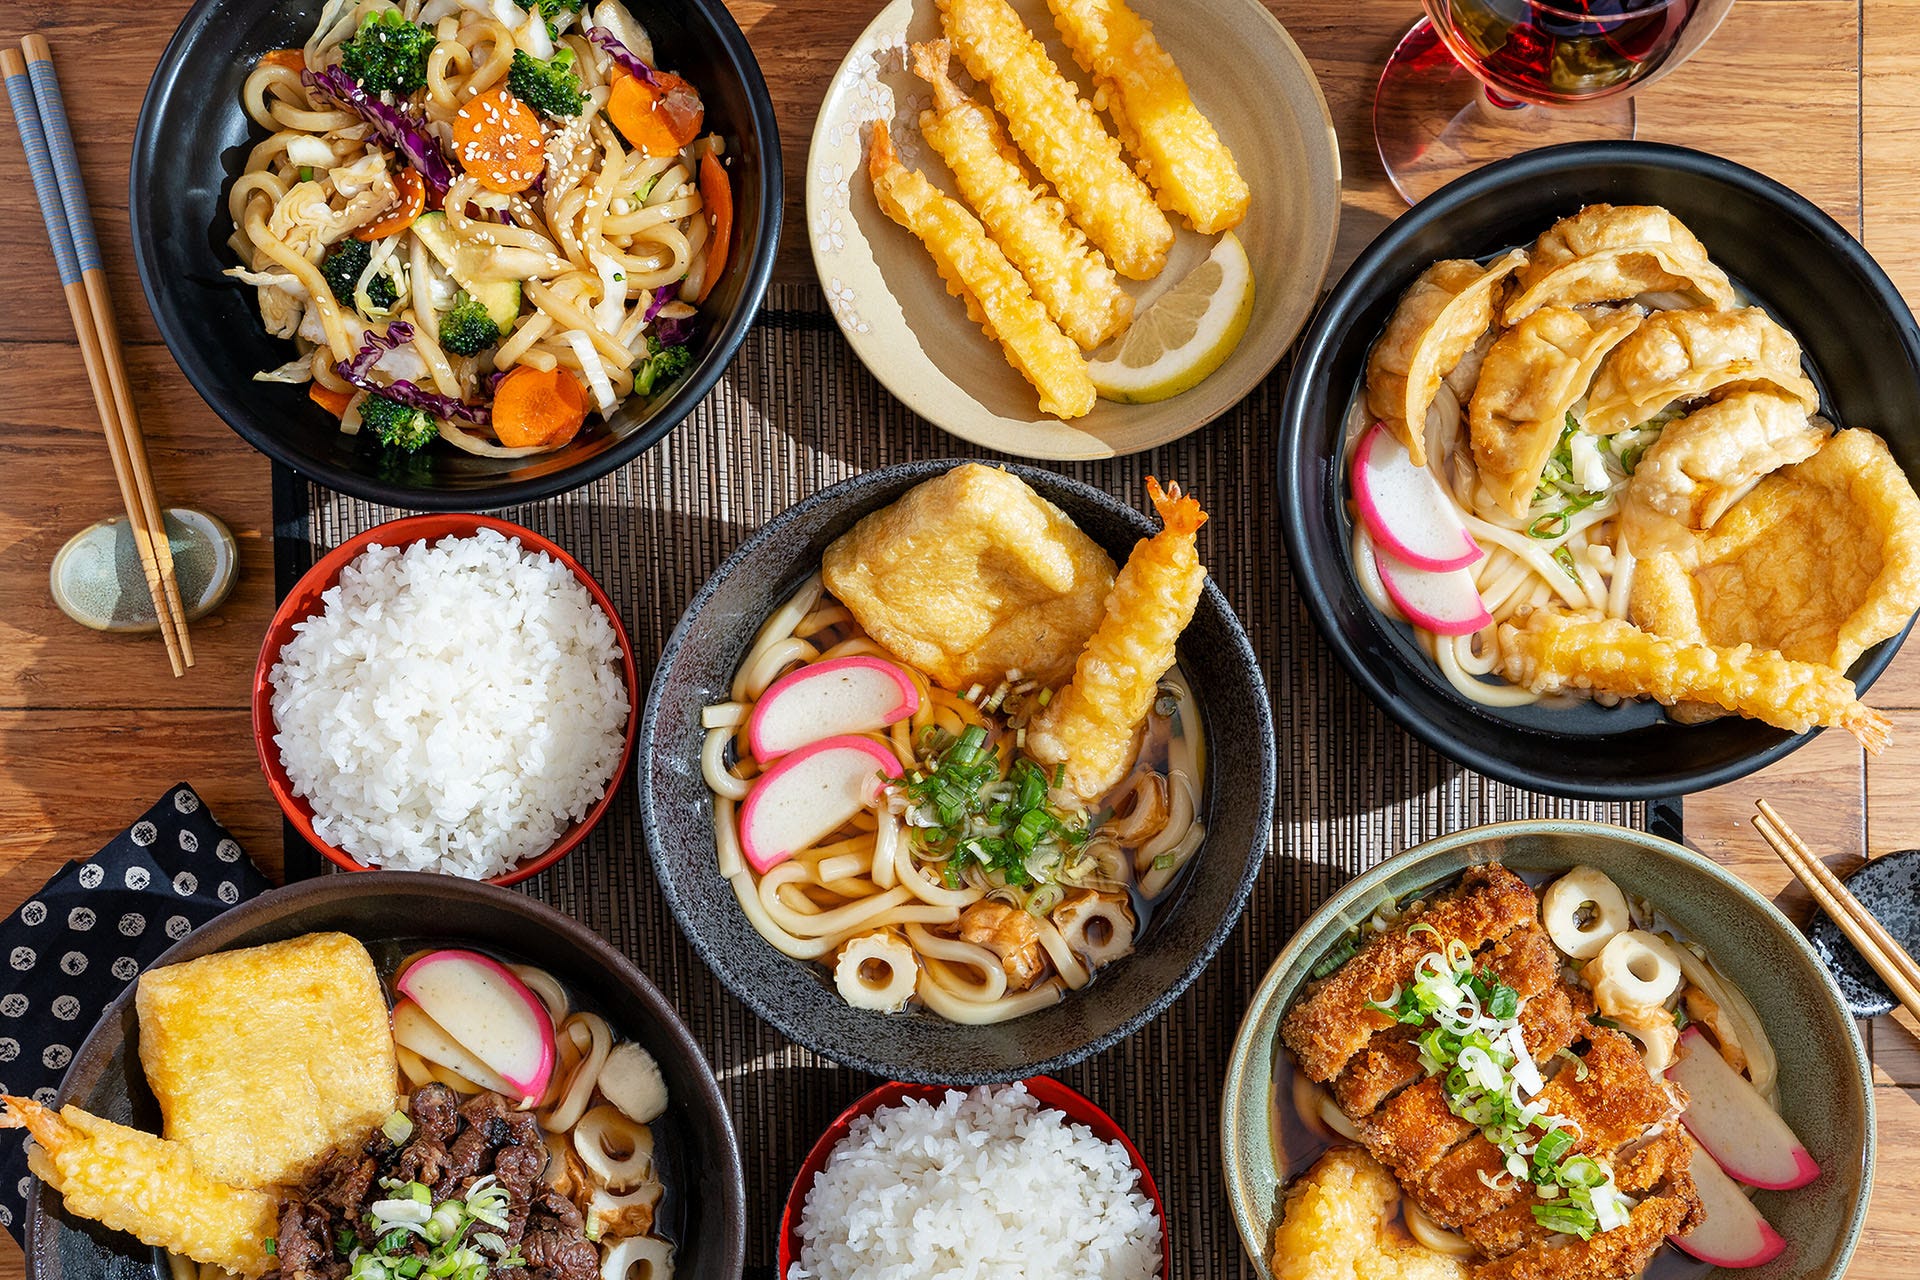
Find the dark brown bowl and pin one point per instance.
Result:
(700, 1158)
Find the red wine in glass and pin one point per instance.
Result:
(1480, 80)
(1564, 51)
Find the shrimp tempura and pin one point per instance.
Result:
(143, 1184)
(1061, 135)
(979, 274)
(1068, 275)
(1178, 150)
(1549, 652)
(1090, 726)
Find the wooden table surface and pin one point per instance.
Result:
(1818, 93)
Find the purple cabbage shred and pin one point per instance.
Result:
(675, 332)
(359, 371)
(661, 297)
(625, 57)
(399, 127)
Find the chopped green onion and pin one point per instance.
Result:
(272, 1246)
(1567, 1218)
(1342, 953)
(397, 1128)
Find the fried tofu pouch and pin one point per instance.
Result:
(1339, 1223)
(146, 1186)
(265, 1058)
(972, 576)
(1821, 561)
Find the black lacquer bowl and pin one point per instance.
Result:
(1862, 349)
(677, 811)
(704, 1210)
(193, 139)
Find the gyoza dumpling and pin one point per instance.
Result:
(1684, 355)
(1439, 318)
(1703, 463)
(1532, 375)
(1608, 253)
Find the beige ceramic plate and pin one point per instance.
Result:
(1249, 79)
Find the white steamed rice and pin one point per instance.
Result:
(987, 1185)
(452, 707)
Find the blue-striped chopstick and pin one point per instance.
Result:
(40, 116)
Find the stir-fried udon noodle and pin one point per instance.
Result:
(426, 246)
(983, 906)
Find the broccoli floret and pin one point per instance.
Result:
(661, 365)
(388, 53)
(551, 9)
(467, 329)
(398, 426)
(344, 267)
(552, 87)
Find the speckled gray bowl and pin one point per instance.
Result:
(1825, 1085)
(677, 811)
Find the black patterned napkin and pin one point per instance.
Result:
(74, 946)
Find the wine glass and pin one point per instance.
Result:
(1480, 80)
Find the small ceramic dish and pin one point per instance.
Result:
(1078, 1109)
(1889, 888)
(304, 601)
(1825, 1084)
(394, 912)
(676, 811)
(1249, 79)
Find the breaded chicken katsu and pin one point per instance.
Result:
(1460, 1045)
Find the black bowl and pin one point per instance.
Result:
(706, 1192)
(1862, 349)
(192, 140)
(676, 811)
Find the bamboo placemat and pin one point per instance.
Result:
(797, 412)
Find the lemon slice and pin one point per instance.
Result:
(1186, 335)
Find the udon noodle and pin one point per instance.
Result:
(1565, 550)
(898, 915)
(608, 246)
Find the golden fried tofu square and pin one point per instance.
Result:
(971, 576)
(1820, 562)
(265, 1058)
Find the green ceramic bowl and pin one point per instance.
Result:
(1825, 1084)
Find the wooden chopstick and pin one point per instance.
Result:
(41, 119)
(1869, 937)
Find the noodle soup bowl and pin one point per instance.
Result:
(305, 600)
(192, 142)
(1825, 1085)
(1188, 923)
(1781, 250)
(395, 913)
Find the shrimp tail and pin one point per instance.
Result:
(1180, 513)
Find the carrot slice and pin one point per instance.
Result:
(717, 195)
(497, 139)
(658, 122)
(413, 201)
(532, 407)
(334, 402)
(292, 59)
